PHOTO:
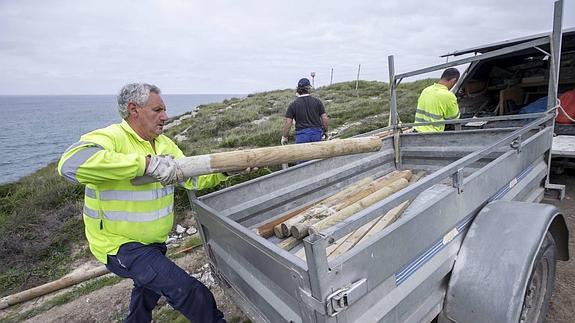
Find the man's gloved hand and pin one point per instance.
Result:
(284, 140)
(165, 170)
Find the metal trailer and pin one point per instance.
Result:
(480, 249)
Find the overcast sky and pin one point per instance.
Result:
(213, 46)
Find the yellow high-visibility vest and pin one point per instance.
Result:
(115, 211)
(436, 103)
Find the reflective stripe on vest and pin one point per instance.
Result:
(78, 144)
(71, 165)
(91, 212)
(454, 117)
(90, 192)
(421, 120)
(435, 117)
(130, 216)
(120, 195)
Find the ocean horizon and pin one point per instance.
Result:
(37, 129)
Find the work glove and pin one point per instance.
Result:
(165, 170)
(284, 140)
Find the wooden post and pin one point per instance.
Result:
(63, 282)
(393, 117)
(278, 232)
(331, 78)
(358, 206)
(374, 226)
(288, 243)
(286, 225)
(266, 230)
(350, 240)
(385, 221)
(300, 229)
(357, 81)
(269, 156)
(369, 229)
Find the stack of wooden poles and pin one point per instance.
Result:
(320, 215)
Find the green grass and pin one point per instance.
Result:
(41, 229)
(40, 226)
(193, 241)
(167, 314)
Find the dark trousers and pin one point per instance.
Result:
(308, 135)
(155, 275)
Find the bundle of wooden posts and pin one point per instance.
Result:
(313, 218)
(368, 230)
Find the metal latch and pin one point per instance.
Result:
(457, 180)
(516, 144)
(343, 297)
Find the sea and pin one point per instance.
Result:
(35, 130)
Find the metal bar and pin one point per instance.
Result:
(499, 52)
(316, 257)
(455, 121)
(499, 118)
(499, 44)
(555, 55)
(541, 50)
(392, 93)
(412, 191)
(457, 180)
(554, 66)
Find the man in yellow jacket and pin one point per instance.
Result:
(437, 103)
(127, 226)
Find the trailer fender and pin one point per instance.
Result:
(496, 259)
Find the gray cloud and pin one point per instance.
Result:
(216, 46)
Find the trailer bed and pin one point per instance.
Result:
(403, 267)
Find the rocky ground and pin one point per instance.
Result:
(562, 308)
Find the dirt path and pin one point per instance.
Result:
(110, 303)
(562, 308)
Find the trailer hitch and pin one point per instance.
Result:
(343, 297)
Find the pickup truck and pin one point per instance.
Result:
(474, 246)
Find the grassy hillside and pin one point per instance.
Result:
(41, 230)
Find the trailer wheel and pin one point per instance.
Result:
(540, 284)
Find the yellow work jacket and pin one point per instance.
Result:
(436, 103)
(115, 211)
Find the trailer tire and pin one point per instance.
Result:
(541, 283)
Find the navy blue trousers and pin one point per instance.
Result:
(308, 135)
(155, 275)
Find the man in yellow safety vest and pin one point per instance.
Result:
(437, 103)
(126, 225)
